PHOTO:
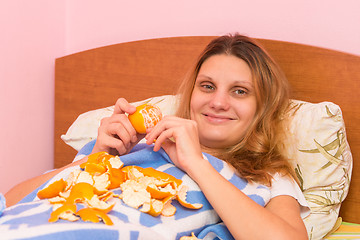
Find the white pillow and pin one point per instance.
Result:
(320, 154)
(322, 160)
(85, 127)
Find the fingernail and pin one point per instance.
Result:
(133, 138)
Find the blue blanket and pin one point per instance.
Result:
(29, 218)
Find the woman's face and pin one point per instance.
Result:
(223, 101)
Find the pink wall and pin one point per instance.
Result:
(35, 32)
(328, 23)
(32, 35)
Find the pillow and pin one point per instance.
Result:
(318, 150)
(85, 127)
(322, 161)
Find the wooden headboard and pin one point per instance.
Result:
(137, 70)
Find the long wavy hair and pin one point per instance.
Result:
(260, 153)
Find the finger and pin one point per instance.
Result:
(118, 124)
(106, 143)
(162, 125)
(123, 106)
(114, 143)
(114, 128)
(164, 137)
(117, 130)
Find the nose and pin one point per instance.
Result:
(220, 101)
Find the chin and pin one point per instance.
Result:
(215, 143)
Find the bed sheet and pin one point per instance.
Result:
(345, 231)
(29, 218)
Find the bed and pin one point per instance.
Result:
(89, 82)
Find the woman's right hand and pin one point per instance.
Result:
(116, 135)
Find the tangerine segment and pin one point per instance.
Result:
(146, 116)
(52, 190)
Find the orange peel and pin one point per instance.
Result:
(156, 207)
(148, 188)
(157, 193)
(93, 215)
(52, 190)
(94, 158)
(101, 182)
(133, 195)
(162, 187)
(88, 215)
(133, 172)
(168, 210)
(181, 198)
(100, 205)
(95, 169)
(116, 177)
(146, 116)
(65, 212)
(165, 177)
(113, 162)
(57, 200)
(192, 237)
(106, 196)
(80, 192)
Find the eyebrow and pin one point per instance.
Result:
(240, 82)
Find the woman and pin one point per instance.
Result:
(232, 106)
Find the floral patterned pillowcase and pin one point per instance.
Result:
(322, 161)
(319, 152)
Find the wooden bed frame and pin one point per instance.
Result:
(137, 70)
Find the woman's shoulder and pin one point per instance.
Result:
(285, 185)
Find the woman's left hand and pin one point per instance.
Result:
(179, 138)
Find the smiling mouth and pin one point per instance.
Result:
(216, 118)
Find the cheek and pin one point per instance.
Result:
(247, 112)
(194, 106)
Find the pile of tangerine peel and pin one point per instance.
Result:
(86, 193)
(149, 190)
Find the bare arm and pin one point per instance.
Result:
(244, 218)
(115, 136)
(21, 190)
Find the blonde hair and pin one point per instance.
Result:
(260, 152)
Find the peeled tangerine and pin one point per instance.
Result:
(146, 116)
